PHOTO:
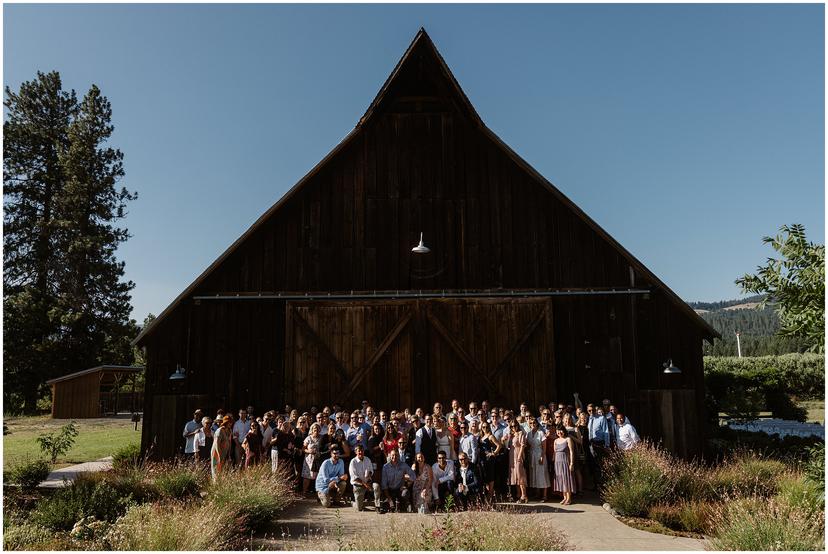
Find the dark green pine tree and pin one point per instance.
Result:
(94, 301)
(35, 133)
(65, 305)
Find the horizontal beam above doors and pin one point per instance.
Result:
(403, 294)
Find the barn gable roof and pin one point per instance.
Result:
(422, 47)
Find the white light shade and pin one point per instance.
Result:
(670, 368)
(421, 248)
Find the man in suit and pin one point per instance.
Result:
(467, 483)
(426, 441)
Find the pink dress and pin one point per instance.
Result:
(517, 473)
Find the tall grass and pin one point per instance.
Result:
(746, 474)
(177, 479)
(637, 479)
(174, 526)
(757, 524)
(255, 495)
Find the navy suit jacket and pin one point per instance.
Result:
(472, 481)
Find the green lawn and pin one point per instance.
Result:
(816, 410)
(97, 438)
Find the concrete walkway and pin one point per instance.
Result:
(586, 524)
(60, 477)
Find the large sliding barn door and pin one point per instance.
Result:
(412, 353)
(344, 352)
(491, 349)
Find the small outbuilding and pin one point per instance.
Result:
(96, 392)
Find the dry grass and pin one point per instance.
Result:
(255, 495)
(762, 524)
(469, 531)
(174, 526)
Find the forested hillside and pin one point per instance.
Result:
(757, 327)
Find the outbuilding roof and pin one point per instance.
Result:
(108, 368)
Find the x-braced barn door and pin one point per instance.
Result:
(344, 352)
(411, 353)
(499, 350)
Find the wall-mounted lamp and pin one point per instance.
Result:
(669, 367)
(421, 248)
(179, 373)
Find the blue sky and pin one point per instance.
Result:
(687, 131)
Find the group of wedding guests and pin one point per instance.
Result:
(416, 461)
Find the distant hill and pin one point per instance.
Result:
(722, 304)
(757, 328)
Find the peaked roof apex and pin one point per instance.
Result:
(421, 38)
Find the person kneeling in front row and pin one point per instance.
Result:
(332, 479)
(443, 484)
(397, 478)
(468, 485)
(362, 472)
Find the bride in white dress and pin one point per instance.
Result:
(445, 440)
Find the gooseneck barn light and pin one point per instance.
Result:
(421, 248)
(669, 367)
(179, 373)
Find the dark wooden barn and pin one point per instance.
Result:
(96, 392)
(521, 297)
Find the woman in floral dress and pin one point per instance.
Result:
(310, 447)
(422, 484)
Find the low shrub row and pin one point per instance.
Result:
(803, 375)
(742, 387)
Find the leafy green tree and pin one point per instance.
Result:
(794, 284)
(66, 306)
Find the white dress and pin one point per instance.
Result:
(538, 474)
(444, 445)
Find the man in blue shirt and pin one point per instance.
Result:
(599, 441)
(331, 480)
(397, 478)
